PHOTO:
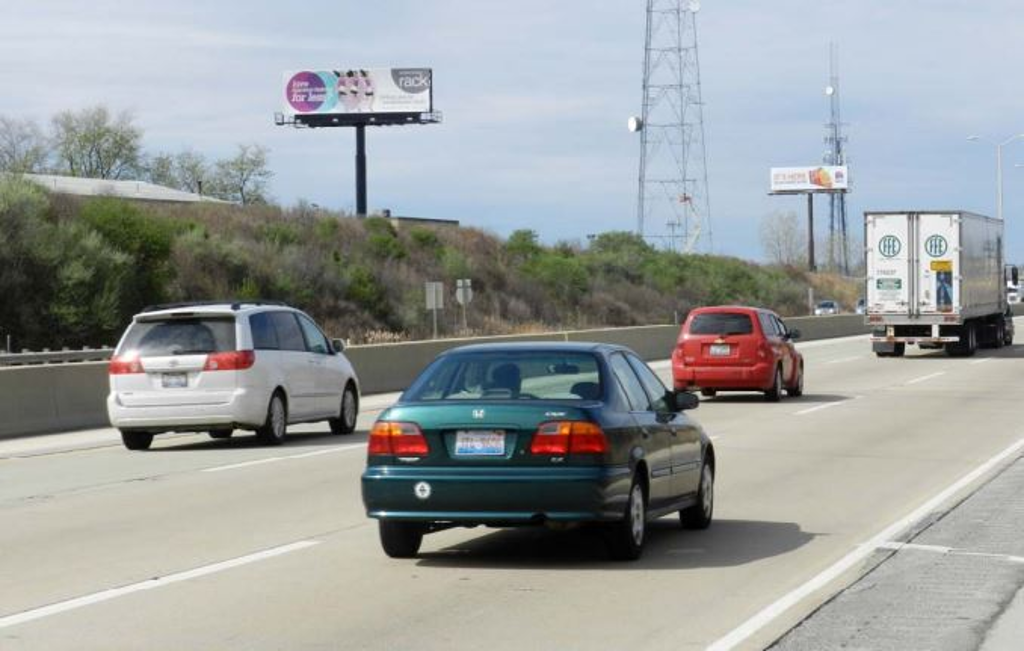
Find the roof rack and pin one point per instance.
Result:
(235, 304)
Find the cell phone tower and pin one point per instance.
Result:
(673, 203)
(835, 154)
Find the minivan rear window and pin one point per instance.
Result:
(722, 323)
(180, 336)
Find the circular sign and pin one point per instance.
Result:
(890, 246)
(422, 490)
(306, 92)
(936, 246)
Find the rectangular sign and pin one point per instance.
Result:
(358, 91)
(810, 179)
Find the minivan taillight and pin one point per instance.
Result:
(568, 437)
(397, 439)
(235, 360)
(125, 365)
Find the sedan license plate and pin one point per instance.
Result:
(488, 443)
(720, 350)
(175, 380)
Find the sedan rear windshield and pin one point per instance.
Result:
(722, 323)
(509, 376)
(181, 336)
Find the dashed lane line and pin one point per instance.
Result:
(304, 455)
(827, 405)
(150, 584)
(924, 378)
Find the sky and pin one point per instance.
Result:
(536, 94)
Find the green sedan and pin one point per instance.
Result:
(553, 434)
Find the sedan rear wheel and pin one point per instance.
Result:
(774, 394)
(274, 429)
(626, 538)
(699, 515)
(708, 393)
(400, 539)
(136, 440)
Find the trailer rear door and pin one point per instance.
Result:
(888, 263)
(938, 243)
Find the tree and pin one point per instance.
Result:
(159, 169)
(192, 171)
(243, 178)
(89, 143)
(783, 238)
(23, 147)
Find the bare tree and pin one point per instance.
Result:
(243, 178)
(782, 238)
(23, 147)
(91, 144)
(159, 169)
(192, 171)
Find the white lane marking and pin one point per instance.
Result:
(939, 549)
(843, 360)
(899, 546)
(982, 360)
(304, 455)
(818, 343)
(827, 405)
(924, 378)
(859, 553)
(149, 584)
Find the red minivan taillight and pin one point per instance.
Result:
(569, 437)
(235, 360)
(397, 439)
(125, 365)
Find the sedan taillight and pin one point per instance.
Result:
(569, 437)
(397, 439)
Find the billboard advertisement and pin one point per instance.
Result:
(358, 91)
(810, 179)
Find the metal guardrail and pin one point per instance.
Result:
(65, 356)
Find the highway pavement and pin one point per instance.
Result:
(223, 544)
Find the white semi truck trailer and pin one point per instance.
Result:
(935, 279)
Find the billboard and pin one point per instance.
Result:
(810, 179)
(358, 91)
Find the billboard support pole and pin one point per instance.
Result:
(361, 170)
(810, 233)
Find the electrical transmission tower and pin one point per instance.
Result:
(673, 203)
(835, 154)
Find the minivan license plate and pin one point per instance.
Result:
(175, 380)
(479, 443)
(719, 350)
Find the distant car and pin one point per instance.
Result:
(226, 366)
(826, 308)
(862, 306)
(730, 348)
(551, 434)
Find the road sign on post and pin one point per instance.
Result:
(435, 300)
(464, 294)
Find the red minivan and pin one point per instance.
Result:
(727, 348)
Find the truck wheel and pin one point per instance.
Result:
(899, 349)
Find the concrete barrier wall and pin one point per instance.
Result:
(59, 397)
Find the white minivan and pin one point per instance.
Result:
(218, 367)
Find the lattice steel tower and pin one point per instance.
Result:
(835, 154)
(673, 203)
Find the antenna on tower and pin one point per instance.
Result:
(835, 154)
(673, 203)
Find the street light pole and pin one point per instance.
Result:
(999, 166)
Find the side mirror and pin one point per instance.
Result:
(684, 400)
(794, 334)
(338, 344)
